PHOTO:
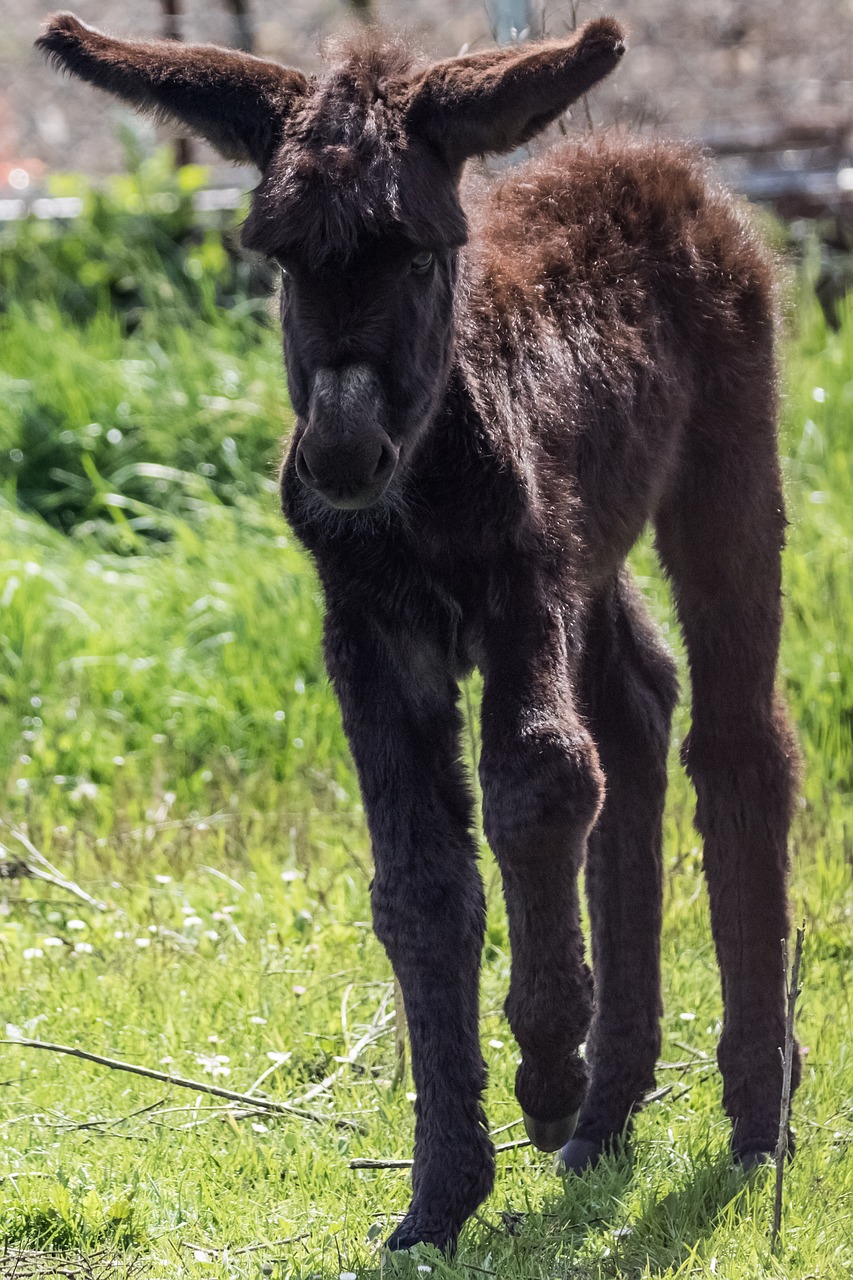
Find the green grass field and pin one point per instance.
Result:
(169, 742)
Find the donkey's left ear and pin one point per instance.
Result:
(235, 101)
(495, 101)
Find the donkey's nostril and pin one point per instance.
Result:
(385, 463)
(303, 470)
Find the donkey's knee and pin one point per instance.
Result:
(539, 785)
(745, 772)
(416, 915)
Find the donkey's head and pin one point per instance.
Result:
(358, 202)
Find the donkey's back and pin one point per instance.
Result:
(622, 312)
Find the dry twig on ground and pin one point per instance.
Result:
(115, 1064)
(788, 1064)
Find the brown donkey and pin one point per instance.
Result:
(496, 388)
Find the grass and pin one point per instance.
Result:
(168, 740)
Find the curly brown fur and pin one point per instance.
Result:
(497, 388)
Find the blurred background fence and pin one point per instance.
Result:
(766, 86)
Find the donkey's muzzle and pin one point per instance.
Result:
(345, 454)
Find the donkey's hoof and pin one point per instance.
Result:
(410, 1232)
(753, 1159)
(550, 1135)
(580, 1155)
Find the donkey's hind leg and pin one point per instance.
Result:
(720, 536)
(629, 690)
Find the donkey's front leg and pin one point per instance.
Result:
(400, 714)
(542, 790)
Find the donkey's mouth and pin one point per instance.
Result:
(348, 479)
(361, 501)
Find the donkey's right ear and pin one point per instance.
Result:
(237, 102)
(499, 99)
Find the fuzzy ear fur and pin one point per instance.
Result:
(235, 101)
(495, 101)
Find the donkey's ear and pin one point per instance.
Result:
(497, 100)
(235, 101)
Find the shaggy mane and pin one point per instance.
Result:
(347, 171)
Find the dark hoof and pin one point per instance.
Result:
(410, 1232)
(749, 1160)
(550, 1135)
(580, 1155)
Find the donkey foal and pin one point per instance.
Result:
(496, 388)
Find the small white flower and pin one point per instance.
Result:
(193, 922)
(687, 1017)
(299, 991)
(496, 1044)
(163, 879)
(119, 934)
(212, 935)
(258, 1020)
(167, 1061)
(84, 791)
(143, 942)
(291, 874)
(83, 948)
(213, 1065)
(259, 1127)
(33, 953)
(819, 394)
(76, 924)
(348, 1275)
(52, 942)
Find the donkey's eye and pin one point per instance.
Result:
(422, 262)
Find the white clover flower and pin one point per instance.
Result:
(76, 924)
(213, 1065)
(33, 953)
(84, 791)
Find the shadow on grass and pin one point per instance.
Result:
(583, 1228)
(670, 1226)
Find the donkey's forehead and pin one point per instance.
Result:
(347, 171)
